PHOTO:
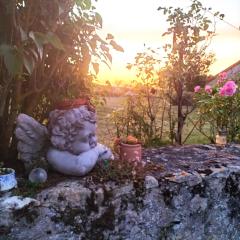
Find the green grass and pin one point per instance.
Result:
(196, 137)
(105, 127)
(106, 130)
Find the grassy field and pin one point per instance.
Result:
(105, 127)
(106, 130)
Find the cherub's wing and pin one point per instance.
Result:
(32, 140)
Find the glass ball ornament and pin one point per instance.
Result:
(38, 175)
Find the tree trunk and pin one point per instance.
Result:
(10, 119)
(180, 87)
(7, 13)
(180, 114)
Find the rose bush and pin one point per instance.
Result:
(219, 105)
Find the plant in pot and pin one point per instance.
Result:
(129, 148)
(7, 179)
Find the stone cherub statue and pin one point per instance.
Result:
(69, 143)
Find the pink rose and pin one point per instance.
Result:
(220, 81)
(223, 75)
(197, 89)
(208, 89)
(222, 91)
(228, 89)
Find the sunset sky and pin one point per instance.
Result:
(137, 22)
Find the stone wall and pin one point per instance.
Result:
(199, 205)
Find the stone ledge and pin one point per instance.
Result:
(201, 202)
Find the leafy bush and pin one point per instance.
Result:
(142, 118)
(143, 113)
(220, 106)
(46, 58)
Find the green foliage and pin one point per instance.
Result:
(12, 59)
(49, 51)
(140, 118)
(143, 113)
(221, 112)
(28, 189)
(121, 171)
(188, 59)
(84, 4)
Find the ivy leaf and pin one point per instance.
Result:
(23, 34)
(160, 8)
(106, 63)
(14, 63)
(34, 54)
(166, 33)
(87, 4)
(96, 67)
(54, 40)
(3, 49)
(12, 59)
(29, 63)
(129, 66)
(116, 46)
(60, 8)
(109, 56)
(205, 27)
(93, 43)
(109, 36)
(221, 16)
(39, 39)
(84, 4)
(104, 48)
(99, 19)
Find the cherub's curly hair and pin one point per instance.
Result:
(63, 125)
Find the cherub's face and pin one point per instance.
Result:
(85, 138)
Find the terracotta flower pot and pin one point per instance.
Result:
(130, 152)
(75, 103)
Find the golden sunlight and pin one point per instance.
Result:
(137, 23)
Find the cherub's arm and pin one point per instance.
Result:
(104, 152)
(77, 165)
(68, 163)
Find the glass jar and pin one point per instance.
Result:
(221, 137)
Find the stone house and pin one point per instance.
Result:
(232, 71)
